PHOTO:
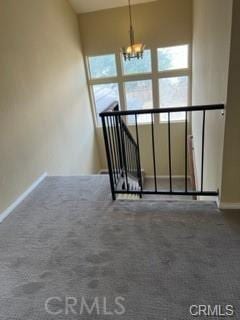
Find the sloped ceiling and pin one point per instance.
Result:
(83, 6)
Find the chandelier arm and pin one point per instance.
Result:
(135, 50)
(131, 24)
(130, 13)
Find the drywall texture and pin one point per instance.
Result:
(161, 148)
(82, 6)
(231, 159)
(211, 47)
(157, 24)
(45, 118)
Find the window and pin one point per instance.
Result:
(136, 66)
(104, 95)
(139, 96)
(174, 83)
(161, 79)
(173, 58)
(102, 66)
(173, 93)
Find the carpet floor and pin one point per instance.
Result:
(178, 184)
(134, 260)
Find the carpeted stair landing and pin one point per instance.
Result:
(69, 239)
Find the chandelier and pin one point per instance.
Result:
(135, 50)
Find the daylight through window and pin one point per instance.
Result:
(160, 80)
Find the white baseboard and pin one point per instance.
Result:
(103, 171)
(228, 205)
(167, 177)
(20, 199)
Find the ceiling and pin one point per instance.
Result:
(82, 6)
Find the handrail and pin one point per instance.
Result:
(111, 108)
(123, 150)
(128, 133)
(107, 112)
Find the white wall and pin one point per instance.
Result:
(211, 48)
(45, 116)
(231, 159)
(158, 24)
(161, 148)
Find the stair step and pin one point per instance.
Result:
(128, 197)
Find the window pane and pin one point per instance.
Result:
(102, 66)
(173, 93)
(136, 66)
(172, 58)
(104, 95)
(139, 96)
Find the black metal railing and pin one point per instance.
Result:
(123, 150)
(123, 156)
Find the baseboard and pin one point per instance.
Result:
(167, 177)
(228, 205)
(20, 199)
(103, 171)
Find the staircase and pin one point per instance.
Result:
(123, 153)
(133, 185)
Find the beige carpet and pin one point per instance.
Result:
(69, 239)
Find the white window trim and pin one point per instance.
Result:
(154, 76)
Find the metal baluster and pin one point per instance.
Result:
(129, 155)
(124, 152)
(154, 157)
(132, 157)
(127, 150)
(108, 158)
(186, 153)
(117, 145)
(135, 163)
(203, 144)
(114, 148)
(111, 152)
(169, 151)
(138, 157)
(120, 142)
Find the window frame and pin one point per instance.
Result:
(140, 73)
(154, 76)
(188, 96)
(125, 97)
(184, 72)
(176, 69)
(98, 123)
(100, 55)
